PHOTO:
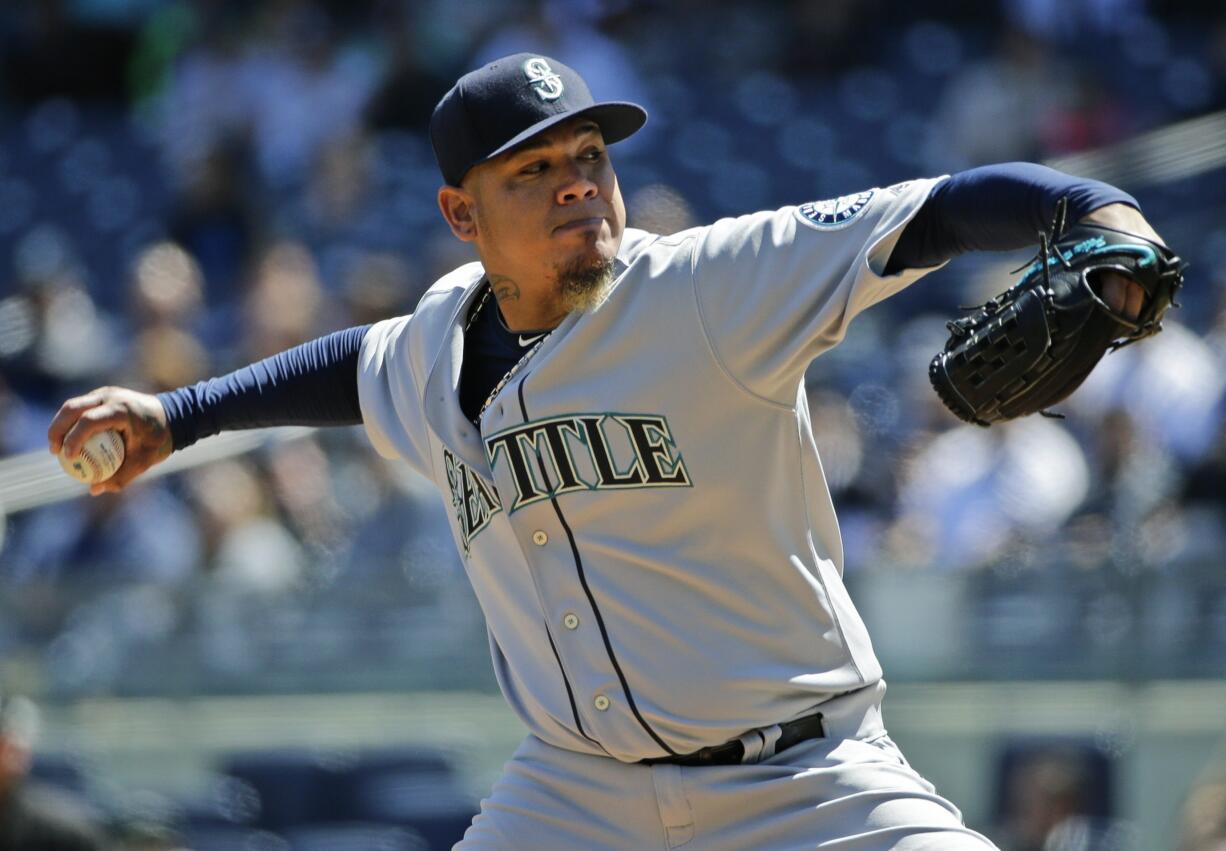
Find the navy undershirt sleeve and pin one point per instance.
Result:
(312, 384)
(995, 208)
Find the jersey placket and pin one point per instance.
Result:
(601, 699)
(564, 617)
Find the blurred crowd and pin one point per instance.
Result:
(1049, 793)
(210, 182)
(394, 799)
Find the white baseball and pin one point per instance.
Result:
(101, 456)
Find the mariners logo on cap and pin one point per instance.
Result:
(835, 213)
(546, 84)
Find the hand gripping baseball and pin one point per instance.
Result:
(138, 417)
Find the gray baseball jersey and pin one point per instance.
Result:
(643, 513)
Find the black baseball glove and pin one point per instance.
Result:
(1031, 346)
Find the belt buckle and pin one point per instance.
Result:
(759, 744)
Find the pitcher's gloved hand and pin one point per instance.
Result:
(1091, 289)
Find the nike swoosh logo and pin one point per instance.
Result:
(524, 342)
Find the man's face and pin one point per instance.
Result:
(549, 210)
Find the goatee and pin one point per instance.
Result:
(584, 285)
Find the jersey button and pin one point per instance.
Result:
(570, 620)
(601, 702)
(540, 538)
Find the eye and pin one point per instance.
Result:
(593, 155)
(534, 168)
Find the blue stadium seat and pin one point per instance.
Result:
(86, 162)
(17, 203)
(291, 785)
(60, 771)
(410, 787)
(933, 48)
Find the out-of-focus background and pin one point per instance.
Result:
(276, 648)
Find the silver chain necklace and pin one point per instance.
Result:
(485, 296)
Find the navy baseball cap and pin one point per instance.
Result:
(491, 110)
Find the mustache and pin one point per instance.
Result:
(581, 215)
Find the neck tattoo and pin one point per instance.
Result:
(472, 318)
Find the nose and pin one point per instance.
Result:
(576, 185)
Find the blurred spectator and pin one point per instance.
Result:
(165, 357)
(306, 91)
(377, 286)
(1172, 387)
(284, 305)
(1204, 813)
(392, 520)
(659, 208)
(55, 340)
(1203, 484)
(1120, 459)
(248, 549)
(213, 221)
(291, 92)
(300, 482)
(338, 184)
(997, 109)
(167, 286)
(205, 103)
(1054, 797)
(1068, 20)
(166, 296)
(32, 817)
(106, 540)
(973, 491)
(413, 82)
(1093, 117)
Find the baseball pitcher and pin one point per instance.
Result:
(618, 423)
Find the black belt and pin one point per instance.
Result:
(733, 752)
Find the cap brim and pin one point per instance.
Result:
(617, 119)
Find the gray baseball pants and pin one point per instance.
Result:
(850, 791)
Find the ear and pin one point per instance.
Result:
(460, 210)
